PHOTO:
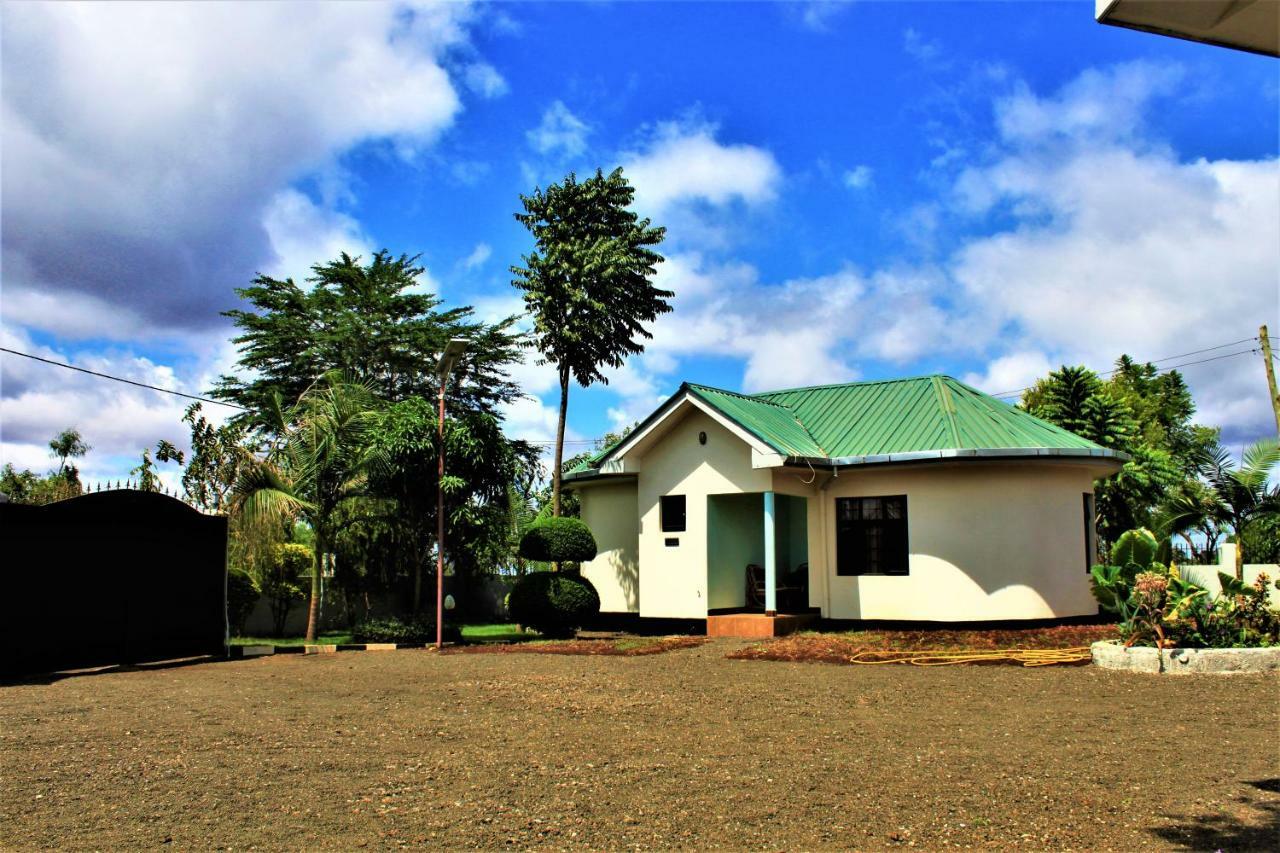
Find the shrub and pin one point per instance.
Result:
(242, 594)
(418, 629)
(280, 580)
(553, 603)
(558, 540)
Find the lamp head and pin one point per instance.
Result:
(452, 352)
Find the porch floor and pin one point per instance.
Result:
(758, 625)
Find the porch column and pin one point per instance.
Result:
(770, 559)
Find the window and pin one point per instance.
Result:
(672, 511)
(871, 536)
(1089, 544)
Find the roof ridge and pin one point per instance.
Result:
(739, 394)
(942, 393)
(919, 378)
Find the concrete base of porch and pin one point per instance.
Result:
(757, 625)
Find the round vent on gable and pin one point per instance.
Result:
(702, 438)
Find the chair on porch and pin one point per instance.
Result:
(787, 589)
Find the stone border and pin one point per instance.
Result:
(1110, 654)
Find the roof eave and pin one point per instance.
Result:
(967, 454)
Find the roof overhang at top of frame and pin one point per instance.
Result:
(1249, 25)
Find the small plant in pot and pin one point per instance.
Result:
(556, 604)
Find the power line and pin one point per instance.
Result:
(1018, 391)
(122, 379)
(100, 375)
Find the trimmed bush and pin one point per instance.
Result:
(242, 594)
(392, 630)
(553, 603)
(558, 540)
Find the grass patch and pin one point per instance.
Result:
(331, 638)
(498, 632)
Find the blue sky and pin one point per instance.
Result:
(850, 190)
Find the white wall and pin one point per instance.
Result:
(1207, 576)
(609, 509)
(987, 541)
(675, 578)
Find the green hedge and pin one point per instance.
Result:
(242, 594)
(555, 604)
(558, 540)
(389, 629)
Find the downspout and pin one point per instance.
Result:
(828, 533)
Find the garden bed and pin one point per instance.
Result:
(618, 647)
(1178, 661)
(1038, 646)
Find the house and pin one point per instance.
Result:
(911, 499)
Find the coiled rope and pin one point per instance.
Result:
(1026, 657)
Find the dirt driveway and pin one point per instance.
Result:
(683, 749)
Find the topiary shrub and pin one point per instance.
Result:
(553, 603)
(242, 594)
(389, 629)
(558, 540)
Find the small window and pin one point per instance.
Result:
(672, 509)
(1090, 538)
(871, 536)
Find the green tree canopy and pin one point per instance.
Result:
(588, 283)
(372, 323)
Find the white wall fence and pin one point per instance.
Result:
(1207, 576)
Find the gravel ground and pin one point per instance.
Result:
(683, 749)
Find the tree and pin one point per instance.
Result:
(1138, 412)
(1238, 497)
(588, 283)
(148, 480)
(320, 465)
(67, 444)
(370, 322)
(217, 456)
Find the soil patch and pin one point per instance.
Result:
(1017, 646)
(622, 646)
(683, 750)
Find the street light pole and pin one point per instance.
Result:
(452, 352)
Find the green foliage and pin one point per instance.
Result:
(217, 456)
(1157, 606)
(280, 580)
(1134, 547)
(1234, 497)
(1260, 542)
(588, 283)
(68, 444)
(27, 487)
(1137, 411)
(371, 323)
(558, 540)
(555, 604)
(148, 480)
(393, 630)
(242, 594)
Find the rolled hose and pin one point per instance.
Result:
(1026, 657)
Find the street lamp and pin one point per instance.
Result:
(452, 352)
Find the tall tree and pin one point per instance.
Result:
(217, 455)
(588, 283)
(67, 444)
(371, 322)
(320, 466)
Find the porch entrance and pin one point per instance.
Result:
(757, 554)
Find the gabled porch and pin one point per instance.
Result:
(757, 565)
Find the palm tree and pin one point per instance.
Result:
(319, 465)
(1235, 498)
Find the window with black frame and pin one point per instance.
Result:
(672, 516)
(871, 536)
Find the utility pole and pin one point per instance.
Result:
(1271, 373)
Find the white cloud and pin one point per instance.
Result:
(560, 132)
(479, 255)
(302, 233)
(859, 177)
(184, 123)
(924, 50)
(683, 161)
(483, 79)
(817, 15)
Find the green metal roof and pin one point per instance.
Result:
(924, 417)
(920, 414)
(774, 423)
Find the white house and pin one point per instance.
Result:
(913, 499)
